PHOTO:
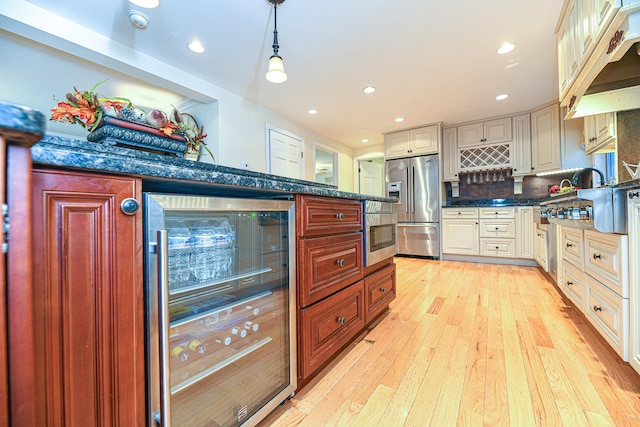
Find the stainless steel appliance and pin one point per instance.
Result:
(415, 182)
(380, 241)
(220, 301)
(602, 209)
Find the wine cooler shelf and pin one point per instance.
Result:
(216, 332)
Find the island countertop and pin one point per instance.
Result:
(164, 173)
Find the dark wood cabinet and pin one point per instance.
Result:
(88, 300)
(334, 303)
(328, 264)
(380, 289)
(327, 326)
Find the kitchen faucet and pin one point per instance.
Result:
(574, 179)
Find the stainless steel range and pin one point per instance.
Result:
(602, 209)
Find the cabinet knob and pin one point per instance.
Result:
(129, 206)
(597, 256)
(496, 228)
(596, 308)
(340, 262)
(340, 216)
(383, 289)
(569, 283)
(634, 194)
(342, 320)
(569, 245)
(497, 247)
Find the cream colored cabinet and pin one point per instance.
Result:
(524, 232)
(545, 139)
(488, 132)
(460, 231)
(606, 259)
(609, 313)
(498, 232)
(450, 155)
(572, 243)
(600, 133)
(412, 142)
(521, 147)
(633, 222)
(541, 248)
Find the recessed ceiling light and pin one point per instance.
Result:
(365, 140)
(138, 19)
(506, 48)
(369, 89)
(501, 97)
(312, 111)
(196, 47)
(399, 119)
(147, 4)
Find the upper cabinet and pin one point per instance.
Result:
(590, 35)
(556, 143)
(600, 133)
(489, 132)
(412, 142)
(521, 149)
(449, 155)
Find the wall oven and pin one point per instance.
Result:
(380, 220)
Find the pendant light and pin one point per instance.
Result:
(276, 73)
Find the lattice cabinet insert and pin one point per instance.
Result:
(485, 157)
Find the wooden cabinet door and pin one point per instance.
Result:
(325, 327)
(470, 135)
(460, 236)
(425, 140)
(380, 290)
(88, 299)
(521, 147)
(545, 139)
(328, 264)
(318, 216)
(397, 144)
(450, 155)
(525, 232)
(496, 131)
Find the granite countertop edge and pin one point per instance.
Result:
(89, 156)
(532, 201)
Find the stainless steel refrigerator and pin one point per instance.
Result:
(415, 182)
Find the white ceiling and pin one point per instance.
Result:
(429, 60)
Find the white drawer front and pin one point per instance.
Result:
(505, 228)
(460, 213)
(573, 246)
(606, 259)
(498, 247)
(609, 314)
(572, 284)
(495, 213)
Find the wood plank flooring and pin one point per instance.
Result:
(467, 344)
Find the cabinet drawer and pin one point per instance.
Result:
(496, 213)
(505, 228)
(606, 259)
(318, 216)
(573, 246)
(327, 264)
(460, 213)
(609, 314)
(327, 326)
(498, 247)
(380, 288)
(572, 284)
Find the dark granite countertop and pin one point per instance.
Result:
(534, 201)
(163, 173)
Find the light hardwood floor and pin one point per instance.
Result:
(471, 344)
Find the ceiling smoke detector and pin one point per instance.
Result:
(138, 19)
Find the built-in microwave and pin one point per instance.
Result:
(380, 220)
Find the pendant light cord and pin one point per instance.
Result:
(275, 28)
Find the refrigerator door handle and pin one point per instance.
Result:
(406, 191)
(163, 417)
(413, 190)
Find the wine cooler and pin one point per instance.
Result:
(220, 305)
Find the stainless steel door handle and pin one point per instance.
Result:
(163, 330)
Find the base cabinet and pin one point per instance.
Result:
(88, 300)
(337, 296)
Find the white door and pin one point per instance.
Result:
(371, 177)
(285, 155)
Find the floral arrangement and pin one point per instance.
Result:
(87, 108)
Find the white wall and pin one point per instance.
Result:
(235, 126)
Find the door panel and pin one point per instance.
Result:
(285, 154)
(425, 189)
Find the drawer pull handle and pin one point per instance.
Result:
(497, 247)
(497, 228)
(597, 256)
(340, 262)
(634, 194)
(383, 289)
(342, 320)
(497, 213)
(569, 283)
(340, 216)
(596, 308)
(569, 245)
